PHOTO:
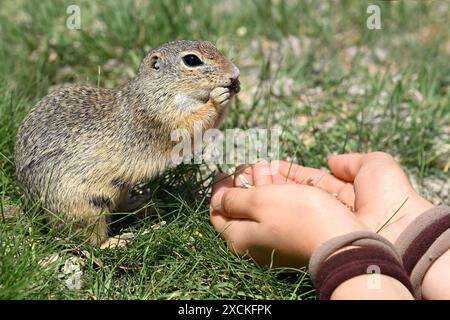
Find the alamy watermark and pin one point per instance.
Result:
(374, 280)
(231, 146)
(73, 21)
(373, 21)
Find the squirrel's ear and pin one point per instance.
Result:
(154, 62)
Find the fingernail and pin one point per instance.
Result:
(216, 207)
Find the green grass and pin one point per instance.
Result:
(311, 67)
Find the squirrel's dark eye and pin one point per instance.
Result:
(192, 60)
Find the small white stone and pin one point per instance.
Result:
(241, 31)
(72, 270)
(356, 90)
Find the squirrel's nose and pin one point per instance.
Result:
(235, 85)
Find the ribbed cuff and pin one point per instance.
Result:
(423, 242)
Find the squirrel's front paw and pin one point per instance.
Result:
(220, 96)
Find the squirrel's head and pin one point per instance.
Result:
(185, 72)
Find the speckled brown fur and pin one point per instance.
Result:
(80, 149)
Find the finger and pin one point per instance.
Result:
(347, 195)
(230, 229)
(236, 204)
(243, 175)
(277, 177)
(262, 174)
(228, 203)
(291, 171)
(346, 166)
(285, 168)
(221, 183)
(310, 176)
(219, 222)
(232, 203)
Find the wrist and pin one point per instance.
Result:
(434, 285)
(424, 246)
(419, 205)
(336, 229)
(335, 264)
(371, 287)
(412, 208)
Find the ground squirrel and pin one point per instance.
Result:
(81, 149)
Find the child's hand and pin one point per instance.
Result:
(381, 187)
(373, 184)
(288, 219)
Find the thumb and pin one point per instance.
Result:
(228, 201)
(346, 166)
(235, 204)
